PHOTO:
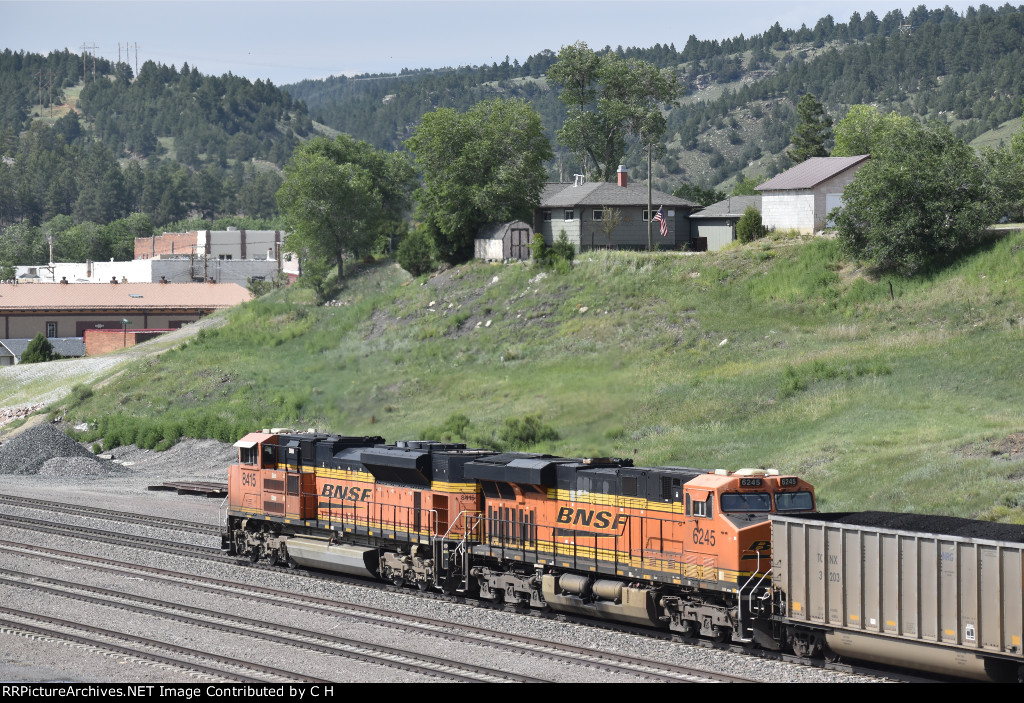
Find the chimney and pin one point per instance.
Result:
(64, 279)
(163, 279)
(113, 279)
(622, 177)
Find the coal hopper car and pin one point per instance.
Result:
(924, 592)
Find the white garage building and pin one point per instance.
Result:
(801, 198)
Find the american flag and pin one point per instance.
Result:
(660, 217)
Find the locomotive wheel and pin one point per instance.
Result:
(719, 634)
(687, 628)
(422, 585)
(273, 558)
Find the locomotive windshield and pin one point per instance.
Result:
(801, 500)
(746, 502)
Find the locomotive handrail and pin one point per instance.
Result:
(753, 589)
(460, 547)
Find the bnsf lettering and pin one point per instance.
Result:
(346, 492)
(602, 519)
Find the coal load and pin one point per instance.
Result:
(28, 452)
(934, 524)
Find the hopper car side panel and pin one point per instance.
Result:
(858, 584)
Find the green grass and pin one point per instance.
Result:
(777, 354)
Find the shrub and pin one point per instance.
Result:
(416, 252)
(522, 434)
(558, 256)
(750, 227)
(39, 349)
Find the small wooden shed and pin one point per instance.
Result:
(505, 242)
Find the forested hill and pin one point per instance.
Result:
(170, 143)
(739, 113)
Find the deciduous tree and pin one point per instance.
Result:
(610, 100)
(336, 193)
(484, 165)
(920, 199)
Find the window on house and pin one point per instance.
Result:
(598, 215)
(225, 257)
(647, 215)
(547, 216)
(51, 329)
(569, 215)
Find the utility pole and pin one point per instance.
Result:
(84, 65)
(40, 74)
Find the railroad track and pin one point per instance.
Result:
(13, 621)
(112, 515)
(117, 538)
(635, 666)
(311, 605)
(295, 637)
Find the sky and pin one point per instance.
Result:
(287, 42)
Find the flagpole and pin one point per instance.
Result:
(650, 244)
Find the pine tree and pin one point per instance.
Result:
(39, 349)
(812, 132)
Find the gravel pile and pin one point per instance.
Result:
(27, 452)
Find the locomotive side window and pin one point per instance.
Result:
(247, 455)
(700, 508)
(746, 502)
(269, 456)
(801, 500)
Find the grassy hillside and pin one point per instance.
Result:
(775, 354)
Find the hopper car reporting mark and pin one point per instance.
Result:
(734, 556)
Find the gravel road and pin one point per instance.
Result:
(40, 384)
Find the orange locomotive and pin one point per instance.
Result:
(668, 547)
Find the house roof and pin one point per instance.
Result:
(498, 231)
(65, 346)
(812, 172)
(568, 195)
(120, 296)
(732, 207)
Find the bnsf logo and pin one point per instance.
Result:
(345, 492)
(600, 520)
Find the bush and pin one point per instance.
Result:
(750, 227)
(558, 256)
(522, 434)
(39, 349)
(416, 252)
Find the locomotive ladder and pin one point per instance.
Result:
(444, 557)
(750, 596)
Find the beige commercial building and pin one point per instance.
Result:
(68, 309)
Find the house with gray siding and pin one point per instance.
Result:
(578, 209)
(714, 227)
(801, 198)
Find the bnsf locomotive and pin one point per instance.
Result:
(675, 548)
